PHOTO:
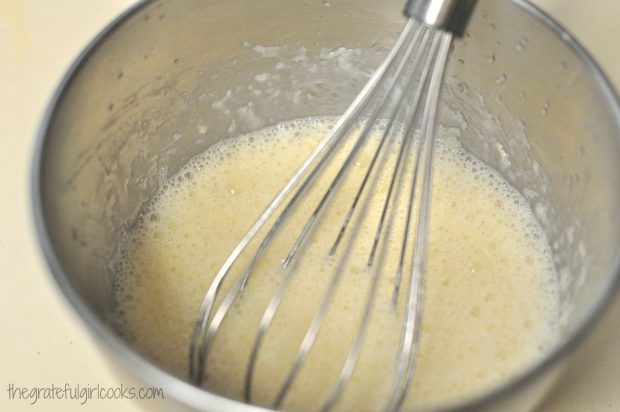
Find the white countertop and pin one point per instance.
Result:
(43, 341)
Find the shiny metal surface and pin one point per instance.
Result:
(128, 111)
(420, 54)
(449, 15)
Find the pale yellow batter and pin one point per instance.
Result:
(491, 298)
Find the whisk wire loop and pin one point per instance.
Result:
(324, 305)
(200, 342)
(411, 114)
(419, 54)
(410, 342)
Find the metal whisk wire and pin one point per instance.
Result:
(396, 77)
(202, 335)
(410, 343)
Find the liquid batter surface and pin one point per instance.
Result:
(491, 298)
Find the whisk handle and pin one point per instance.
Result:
(449, 15)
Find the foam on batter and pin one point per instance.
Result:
(491, 293)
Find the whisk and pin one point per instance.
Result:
(405, 86)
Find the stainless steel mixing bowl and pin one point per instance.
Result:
(170, 78)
